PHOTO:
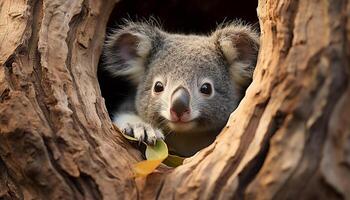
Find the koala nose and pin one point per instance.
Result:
(180, 102)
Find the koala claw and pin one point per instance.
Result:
(143, 132)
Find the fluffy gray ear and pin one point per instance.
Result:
(126, 50)
(240, 45)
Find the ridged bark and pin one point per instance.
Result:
(288, 139)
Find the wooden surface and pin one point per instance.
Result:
(288, 139)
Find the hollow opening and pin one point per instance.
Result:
(175, 16)
(180, 16)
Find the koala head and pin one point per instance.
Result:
(185, 83)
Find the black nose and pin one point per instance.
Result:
(180, 101)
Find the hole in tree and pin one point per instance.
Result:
(175, 16)
(181, 16)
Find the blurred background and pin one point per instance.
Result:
(180, 16)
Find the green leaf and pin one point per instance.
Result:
(128, 137)
(157, 152)
(173, 160)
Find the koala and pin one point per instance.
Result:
(184, 86)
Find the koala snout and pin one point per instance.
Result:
(180, 105)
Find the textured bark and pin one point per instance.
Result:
(57, 140)
(288, 139)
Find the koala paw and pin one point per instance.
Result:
(143, 132)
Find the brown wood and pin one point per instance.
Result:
(288, 139)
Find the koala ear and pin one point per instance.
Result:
(126, 50)
(240, 45)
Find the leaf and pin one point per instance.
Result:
(173, 160)
(143, 168)
(158, 151)
(128, 137)
(155, 156)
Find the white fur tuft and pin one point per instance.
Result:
(123, 119)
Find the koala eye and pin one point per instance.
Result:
(206, 89)
(158, 87)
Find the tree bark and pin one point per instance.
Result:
(288, 139)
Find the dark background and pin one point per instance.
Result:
(180, 16)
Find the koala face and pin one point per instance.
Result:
(187, 86)
(185, 83)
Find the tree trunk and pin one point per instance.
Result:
(288, 139)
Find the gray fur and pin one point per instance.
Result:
(226, 58)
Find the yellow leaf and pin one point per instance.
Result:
(146, 167)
